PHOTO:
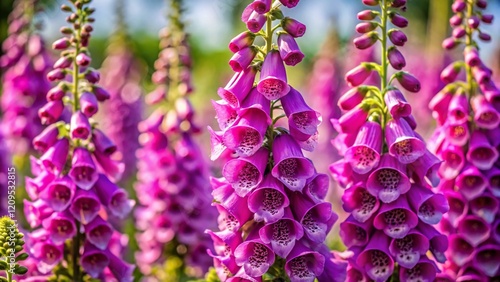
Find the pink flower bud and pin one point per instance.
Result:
(63, 62)
(458, 6)
(293, 27)
(396, 59)
(366, 40)
(55, 93)
(358, 75)
(487, 18)
(367, 15)
(92, 76)
(241, 41)
(472, 57)
(61, 44)
(481, 4)
(450, 43)
(456, 20)
(366, 27)
(100, 93)
(397, 37)
(450, 73)
(398, 20)
(289, 3)
(408, 81)
(458, 32)
(83, 59)
(484, 36)
(398, 3)
(371, 2)
(473, 22)
(56, 74)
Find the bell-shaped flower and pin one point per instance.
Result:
(55, 157)
(233, 213)
(268, 201)
(289, 50)
(493, 177)
(485, 115)
(59, 193)
(93, 260)
(317, 187)
(474, 229)
(402, 142)
(121, 270)
(114, 198)
(359, 202)
(225, 242)
(83, 170)
(430, 207)
(225, 114)
(246, 173)
(114, 169)
(485, 206)
(355, 233)
(426, 168)
(34, 186)
(487, 259)
(238, 87)
(389, 180)
(47, 254)
(246, 135)
(458, 110)
(291, 167)
(89, 104)
(273, 83)
(457, 133)
(301, 117)
(438, 243)
(37, 211)
(396, 219)
(79, 126)
(471, 182)
(351, 121)
(453, 161)
(407, 250)
(481, 153)
(85, 206)
(396, 104)
(424, 270)
(461, 251)
(459, 206)
(61, 227)
(282, 234)
(304, 264)
(99, 232)
(364, 155)
(48, 137)
(102, 142)
(242, 58)
(375, 258)
(254, 256)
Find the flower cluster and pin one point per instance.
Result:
(273, 219)
(388, 177)
(73, 191)
(11, 249)
(175, 210)
(24, 66)
(121, 77)
(467, 139)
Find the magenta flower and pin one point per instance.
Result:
(389, 181)
(273, 215)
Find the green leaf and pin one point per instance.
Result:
(20, 270)
(22, 256)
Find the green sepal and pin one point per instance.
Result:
(22, 257)
(3, 265)
(20, 270)
(277, 14)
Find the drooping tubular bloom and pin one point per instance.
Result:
(467, 142)
(72, 194)
(386, 169)
(173, 186)
(24, 85)
(273, 218)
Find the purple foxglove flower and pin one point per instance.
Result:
(439, 105)
(375, 259)
(458, 206)
(453, 161)
(316, 218)
(424, 270)
(36, 212)
(253, 20)
(389, 181)
(51, 112)
(300, 116)
(461, 251)
(293, 27)
(366, 40)
(494, 180)
(85, 206)
(396, 103)
(430, 207)
(282, 234)
(485, 115)
(242, 40)
(303, 264)
(247, 134)
(59, 193)
(47, 254)
(60, 226)
(407, 251)
(63, 62)
(225, 242)
(291, 167)
(268, 201)
(289, 50)
(83, 170)
(396, 59)
(88, 104)
(473, 229)
(61, 44)
(398, 20)
(99, 232)
(357, 201)
(364, 155)
(450, 73)
(241, 275)
(80, 126)
(225, 114)
(273, 82)
(34, 186)
(242, 59)
(102, 143)
(355, 233)
(82, 59)
(121, 270)
(481, 154)
(342, 172)
(458, 110)
(114, 169)
(487, 259)
(317, 187)
(352, 121)
(396, 219)
(46, 138)
(113, 197)
(233, 213)
(254, 256)
(408, 81)
(225, 269)
(55, 94)
(238, 87)
(54, 158)
(438, 243)
(485, 206)
(352, 98)
(471, 181)
(217, 146)
(289, 3)
(245, 174)
(93, 260)
(397, 37)
(367, 15)
(457, 134)
(365, 27)
(402, 142)
(100, 93)
(358, 75)
(427, 167)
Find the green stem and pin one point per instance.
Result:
(384, 61)
(469, 42)
(75, 254)
(9, 274)
(76, 68)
